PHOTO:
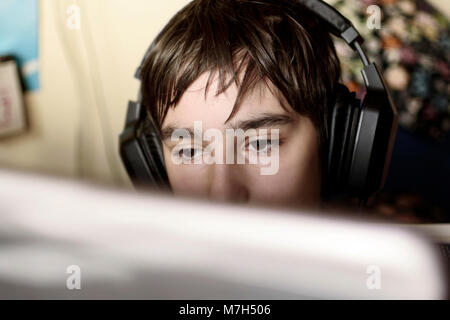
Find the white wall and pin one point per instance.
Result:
(87, 75)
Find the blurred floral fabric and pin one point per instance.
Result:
(413, 48)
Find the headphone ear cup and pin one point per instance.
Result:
(342, 121)
(141, 149)
(153, 149)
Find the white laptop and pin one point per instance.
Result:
(67, 240)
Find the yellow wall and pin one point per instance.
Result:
(87, 75)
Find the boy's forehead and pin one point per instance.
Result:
(214, 111)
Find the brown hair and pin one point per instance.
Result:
(275, 40)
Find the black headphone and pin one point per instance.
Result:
(361, 134)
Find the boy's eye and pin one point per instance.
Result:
(260, 145)
(189, 153)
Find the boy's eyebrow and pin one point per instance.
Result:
(166, 132)
(265, 120)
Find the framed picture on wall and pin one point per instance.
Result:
(12, 110)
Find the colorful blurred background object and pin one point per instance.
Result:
(412, 45)
(413, 48)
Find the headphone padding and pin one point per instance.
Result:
(342, 122)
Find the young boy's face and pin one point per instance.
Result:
(285, 144)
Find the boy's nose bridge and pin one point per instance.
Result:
(227, 183)
(223, 149)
